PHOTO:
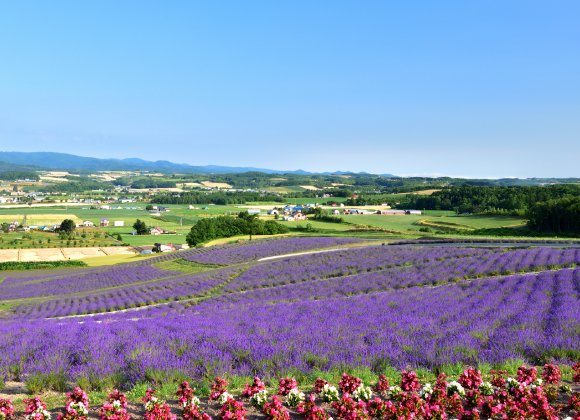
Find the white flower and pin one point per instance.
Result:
(538, 382)
(223, 398)
(116, 404)
(512, 383)
(79, 407)
(426, 391)
(294, 397)
(394, 391)
(362, 393)
(329, 393)
(486, 389)
(193, 402)
(150, 405)
(455, 387)
(259, 399)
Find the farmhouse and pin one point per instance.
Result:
(104, 221)
(288, 218)
(156, 231)
(391, 212)
(88, 223)
(335, 211)
(165, 247)
(298, 216)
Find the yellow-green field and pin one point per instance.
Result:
(39, 219)
(406, 222)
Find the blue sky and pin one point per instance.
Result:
(464, 88)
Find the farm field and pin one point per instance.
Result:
(41, 239)
(61, 253)
(225, 311)
(422, 192)
(39, 218)
(405, 222)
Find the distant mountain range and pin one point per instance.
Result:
(52, 160)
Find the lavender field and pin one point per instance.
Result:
(372, 307)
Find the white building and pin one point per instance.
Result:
(119, 223)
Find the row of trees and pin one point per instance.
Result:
(556, 216)
(225, 227)
(219, 198)
(152, 183)
(15, 175)
(474, 199)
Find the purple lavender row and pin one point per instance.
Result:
(76, 283)
(185, 287)
(483, 241)
(432, 273)
(345, 262)
(431, 266)
(531, 317)
(227, 256)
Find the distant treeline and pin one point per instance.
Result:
(152, 183)
(14, 175)
(39, 265)
(77, 186)
(219, 198)
(474, 199)
(226, 226)
(561, 215)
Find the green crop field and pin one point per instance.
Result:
(138, 240)
(408, 222)
(36, 239)
(294, 226)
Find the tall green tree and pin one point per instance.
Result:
(140, 227)
(67, 226)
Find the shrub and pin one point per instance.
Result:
(319, 384)
(311, 411)
(551, 374)
(6, 409)
(156, 409)
(349, 383)
(275, 410)
(294, 397)
(286, 385)
(233, 410)
(77, 406)
(257, 386)
(382, 384)
(470, 378)
(329, 393)
(36, 409)
(409, 381)
(218, 388)
(527, 375)
(259, 399)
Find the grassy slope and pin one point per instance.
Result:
(407, 222)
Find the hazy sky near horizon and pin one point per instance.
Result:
(464, 88)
